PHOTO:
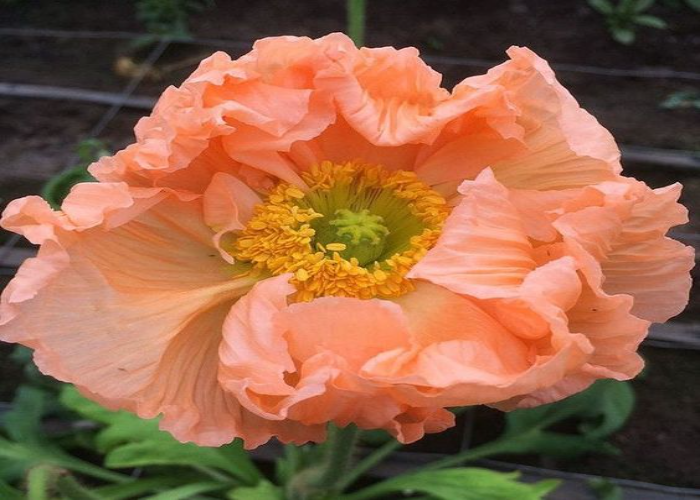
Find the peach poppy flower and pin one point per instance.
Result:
(317, 233)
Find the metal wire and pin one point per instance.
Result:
(73, 94)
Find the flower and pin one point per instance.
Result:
(317, 233)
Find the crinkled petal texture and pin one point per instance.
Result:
(545, 277)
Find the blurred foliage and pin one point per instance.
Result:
(594, 414)
(169, 17)
(605, 489)
(677, 4)
(58, 187)
(458, 484)
(685, 99)
(624, 17)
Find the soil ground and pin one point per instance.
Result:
(38, 138)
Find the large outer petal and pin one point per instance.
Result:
(622, 247)
(134, 316)
(533, 136)
(595, 278)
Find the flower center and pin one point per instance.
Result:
(355, 233)
(362, 234)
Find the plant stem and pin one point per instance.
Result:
(485, 450)
(320, 481)
(356, 21)
(368, 463)
(493, 448)
(340, 447)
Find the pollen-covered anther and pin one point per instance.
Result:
(355, 233)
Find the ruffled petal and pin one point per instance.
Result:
(534, 136)
(301, 362)
(483, 250)
(380, 103)
(88, 205)
(656, 273)
(254, 353)
(621, 246)
(130, 311)
(472, 358)
(256, 106)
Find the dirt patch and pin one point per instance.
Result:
(660, 442)
(61, 62)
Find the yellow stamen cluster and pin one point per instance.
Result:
(279, 232)
(283, 235)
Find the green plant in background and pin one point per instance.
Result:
(684, 99)
(58, 187)
(169, 17)
(356, 19)
(677, 4)
(604, 489)
(626, 16)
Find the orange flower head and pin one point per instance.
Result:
(317, 233)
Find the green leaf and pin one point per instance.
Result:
(264, 490)
(58, 187)
(642, 5)
(91, 150)
(682, 99)
(458, 484)
(375, 437)
(605, 489)
(40, 482)
(15, 458)
(624, 36)
(23, 422)
(30, 447)
(187, 491)
(611, 405)
(602, 6)
(162, 451)
(600, 410)
(137, 487)
(73, 490)
(130, 441)
(7, 492)
(651, 22)
(121, 427)
(693, 4)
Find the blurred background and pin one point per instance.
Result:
(76, 75)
